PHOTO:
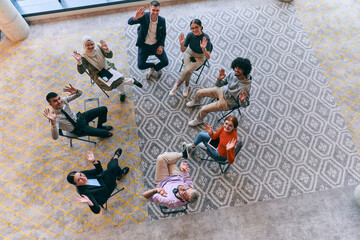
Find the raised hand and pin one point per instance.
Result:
(83, 199)
(50, 114)
(243, 95)
(159, 50)
(161, 191)
(89, 156)
(209, 129)
(104, 45)
(77, 56)
(139, 13)
(221, 74)
(184, 167)
(231, 144)
(181, 39)
(203, 43)
(70, 89)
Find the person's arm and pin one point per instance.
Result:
(244, 99)
(163, 34)
(90, 201)
(98, 168)
(182, 42)
(184, 167)
(222, 78)
(230, 150)
(149, 193)
(217, 133)
(74, 93)
(203, 45)
(105, 49)
(51, 116)
(138, 17)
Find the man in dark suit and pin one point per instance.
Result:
(151, 39)
(95, 186)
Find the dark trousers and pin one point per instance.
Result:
(112, 171)
(145, 51)
(88, 116)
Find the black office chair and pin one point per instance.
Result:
(71, 137)
(224, 114)
(224, 165)
(201, 68)
(116, 191)
(166, 210)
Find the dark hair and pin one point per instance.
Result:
(233, 119)
(154, 3)
(197, 21)
(242, 63)
(50, 95)
(70, 177)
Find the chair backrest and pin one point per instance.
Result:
(67, 134)
(238, 147)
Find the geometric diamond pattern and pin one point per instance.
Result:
(295, 139)
(36, 200)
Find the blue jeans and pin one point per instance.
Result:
(145, 51)
(204, 137)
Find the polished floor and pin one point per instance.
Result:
(35, 200)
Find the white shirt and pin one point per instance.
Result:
(151, 35)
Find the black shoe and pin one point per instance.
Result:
(185, 150)
(137, 83)
(109, 135)
(125, 170)
(118, 152)
(107, 128)
(122, 97)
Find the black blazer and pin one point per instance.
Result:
(97, 194)
(144, 27)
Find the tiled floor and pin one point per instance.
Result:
(334, 28)
(35, 200)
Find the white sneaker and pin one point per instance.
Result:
(186, 91)
(173, 91)
(195, 122)
(190, 145)
(192, 104)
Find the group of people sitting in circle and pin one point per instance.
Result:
(173, 185)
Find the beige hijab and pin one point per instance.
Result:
(95, 57)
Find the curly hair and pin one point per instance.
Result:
(242, 63)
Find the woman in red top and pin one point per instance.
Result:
(227, 139)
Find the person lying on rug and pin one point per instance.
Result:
(196, 48)
(151, 39)
(96, 185)
(62, 117)
(174, 187)
(221, 143)
(101, 71)
(231, 91)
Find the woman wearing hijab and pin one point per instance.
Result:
(93, 60)
(196, 48)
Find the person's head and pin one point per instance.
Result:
(154, 10)
(196, 27)
(231, 123)
(54, 100)
(88, 44)
(76, 178)
(187, 194)
(241, 67)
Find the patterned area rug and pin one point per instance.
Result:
(295, 139)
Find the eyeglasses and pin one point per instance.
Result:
(193, 28)
(184, 192)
